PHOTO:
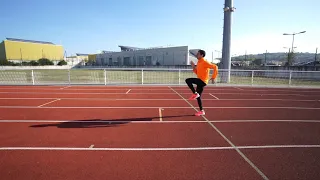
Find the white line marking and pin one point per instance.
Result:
(160, 114)
(124, 107)
(238, 88)
(261, 121)
(91, 146)
(98, 121)
(48, 103)
(146, 99)
(156, 149)
(114, 149)
(279, 146)
(128, 91)
(149, 88)
(157, 122)
(214, 96)
(226, 139)
(65, 87)
(249, 94)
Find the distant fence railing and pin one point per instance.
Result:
(34, 67)
(153, 76)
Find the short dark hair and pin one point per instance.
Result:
(202, 52)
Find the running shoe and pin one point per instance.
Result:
(200, 113)
(194, 96)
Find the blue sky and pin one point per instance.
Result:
(89, 26)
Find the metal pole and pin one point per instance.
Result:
(32, 77)
(289, 58)
(245, 56)
(142, 76)
(252, 75)
(105, 77)
(315, 57)
(20, 54)
(226, 47)
(290, 77)
(212, 57)
(265, 58)
(292, 41)
(69, 76)
(179, 76)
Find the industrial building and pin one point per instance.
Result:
(78, 59)
(133, 56)
(18, 50)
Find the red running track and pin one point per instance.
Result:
(277, 130)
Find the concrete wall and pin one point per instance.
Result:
(32, 51)
(164, 56)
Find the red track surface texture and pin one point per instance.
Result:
(144, 132)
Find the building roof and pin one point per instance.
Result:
(80, 54)
(30, 41)
(128, 48)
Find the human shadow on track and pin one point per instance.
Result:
(98, 123)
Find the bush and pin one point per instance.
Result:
(45, 62)
(7, 63)
(62, 63)
(34, 63)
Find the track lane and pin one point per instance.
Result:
(117, 165)
(111, 135)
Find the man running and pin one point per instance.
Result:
(202, 70)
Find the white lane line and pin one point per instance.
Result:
(91, 146)
(48, 103)
(262, 121)
(279, 146)
(146, 99)
(156, 149)
(98, 121)
(157, 122)
(128, 91)
(115, 149)
(78, 93)
(226, 139)
(160, 114)
(124, 107)
(65, 87)
(238, 88)
(214, 96)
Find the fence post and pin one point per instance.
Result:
(290, 77)
(142, 76)
(252, 75)
(32, 77)
(105, 76)
(179, 76)
(69, 76)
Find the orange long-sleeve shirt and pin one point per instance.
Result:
(203, 70)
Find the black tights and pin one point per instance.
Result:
(200, 85)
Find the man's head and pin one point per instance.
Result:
(201, 54)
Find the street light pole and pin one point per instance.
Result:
(315, 58)
(265, 58)
(293, 34)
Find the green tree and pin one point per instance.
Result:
(290, 59)
(62, 63)
(257, 62)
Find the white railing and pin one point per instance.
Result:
(147, 76)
